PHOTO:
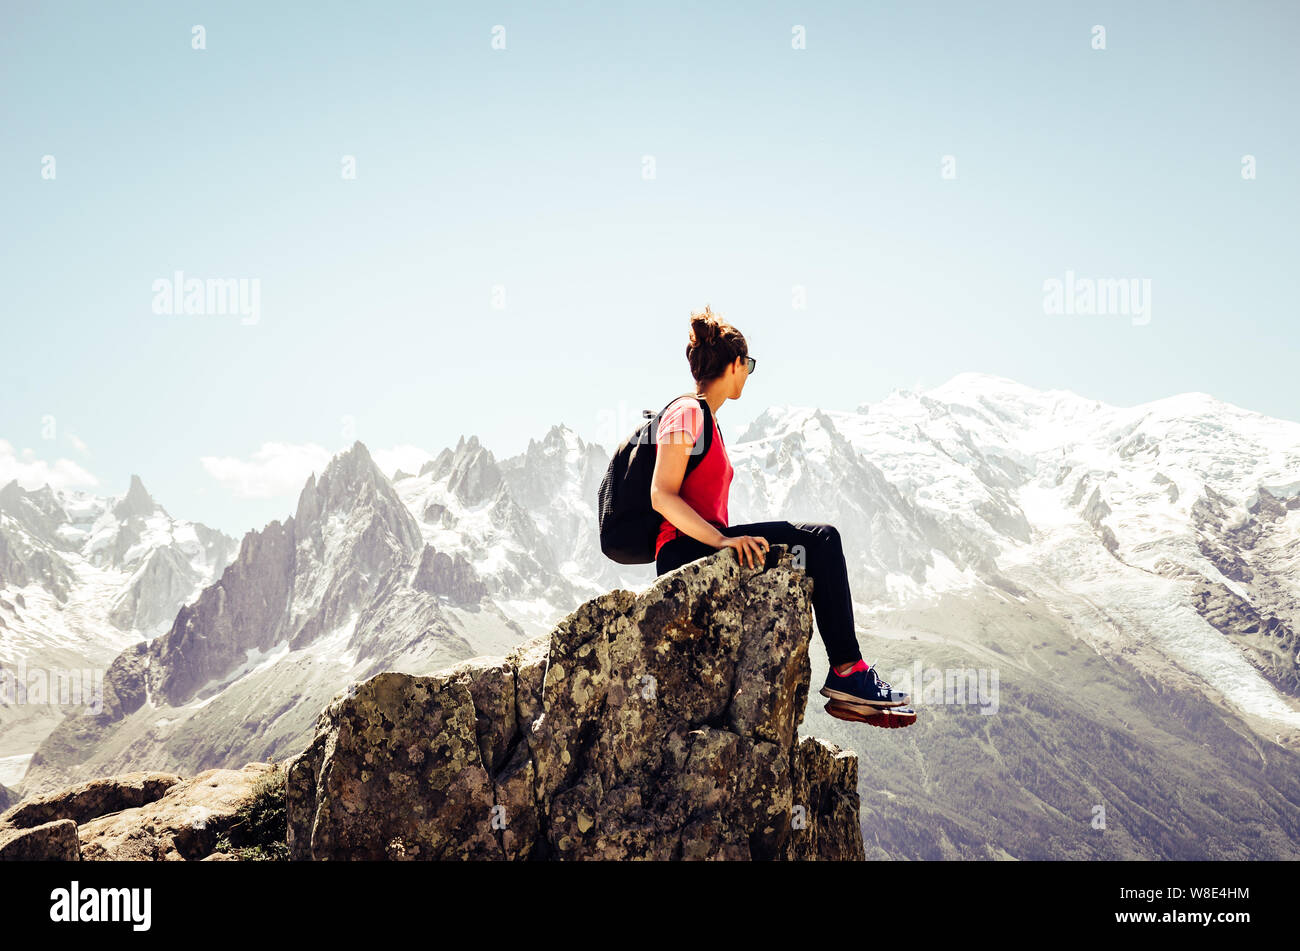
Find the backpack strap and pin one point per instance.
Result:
(695, 457)
(698, 457)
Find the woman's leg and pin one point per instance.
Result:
(815, 545)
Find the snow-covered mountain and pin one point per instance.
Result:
(1132, 572)
(123, 559)
(1125, 577)
(83, 576)
(342, 589)
(1169, 530)
(527, 524)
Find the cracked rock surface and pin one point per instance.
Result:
(655, 726)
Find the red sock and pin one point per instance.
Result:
(860, 665)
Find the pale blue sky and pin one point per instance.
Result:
(522, 168)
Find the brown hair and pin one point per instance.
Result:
(714, 345)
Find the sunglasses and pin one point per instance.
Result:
(750, 364)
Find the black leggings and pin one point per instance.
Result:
(823, 559)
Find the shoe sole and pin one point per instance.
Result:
(890, 719)
(841, 697)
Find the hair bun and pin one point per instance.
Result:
(714, 345)
(704, 329)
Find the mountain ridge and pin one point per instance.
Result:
(1161, 541)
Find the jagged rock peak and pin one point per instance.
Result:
(349, 480)
(552, 449)
(443, 574)
(137, 503)
(37, 509)
(439, 465)
(473, 475)
(45, 494)
(11, 493)
(558, 435)
(657, 726)
(355, 459)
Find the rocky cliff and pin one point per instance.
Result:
(658, 726)
(654, 726)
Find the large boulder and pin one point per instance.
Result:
(655, 726)
(87, 800)
(144, 816)
(182, 824)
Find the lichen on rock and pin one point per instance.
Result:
(662, 725)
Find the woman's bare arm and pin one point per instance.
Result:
(670, 468)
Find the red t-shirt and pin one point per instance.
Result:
(706, 488)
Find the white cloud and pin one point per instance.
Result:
(32, 473)
(275, 469)
(405, 457)
(78, 443)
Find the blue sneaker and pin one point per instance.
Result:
(862, 687)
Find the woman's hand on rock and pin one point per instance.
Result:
(751, 550)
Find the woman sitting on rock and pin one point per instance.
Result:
(695, 522)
